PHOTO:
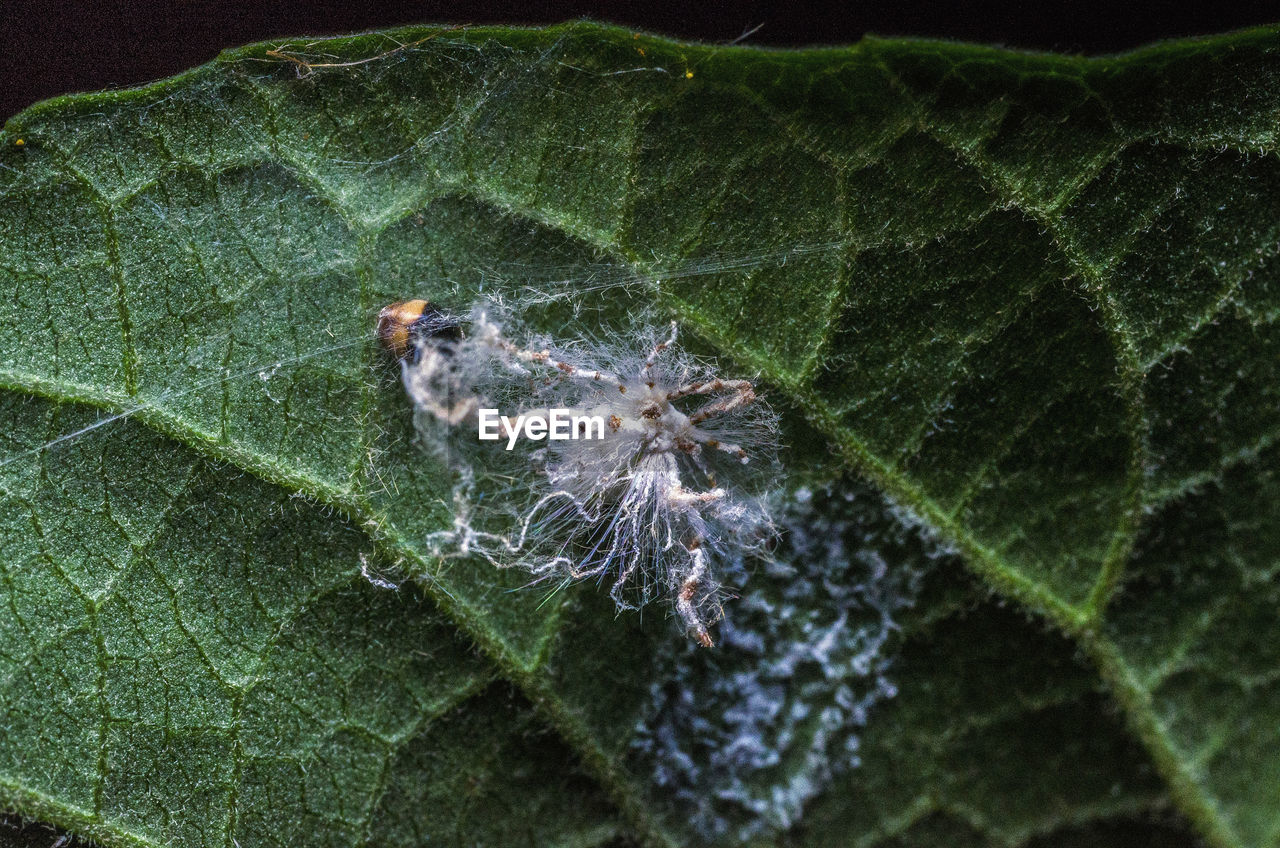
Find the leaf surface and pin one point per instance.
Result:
(1028, 300)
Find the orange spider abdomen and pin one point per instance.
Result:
(401, 323)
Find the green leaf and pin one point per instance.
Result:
(1018, 312)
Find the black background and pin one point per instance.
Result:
(49, 47)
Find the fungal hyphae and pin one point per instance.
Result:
(742, 739)
(656, 477)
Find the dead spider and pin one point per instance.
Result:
(670, 484)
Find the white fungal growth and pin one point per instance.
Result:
(741, 739)
(672, 488)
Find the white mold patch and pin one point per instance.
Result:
(745, 735)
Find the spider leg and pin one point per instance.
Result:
(646, 373)
(680, 496)
(741, 397)
(693, 449)
(709, 386)
(688, 589)
(715, 444)
(623, 577)
(568, 369)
